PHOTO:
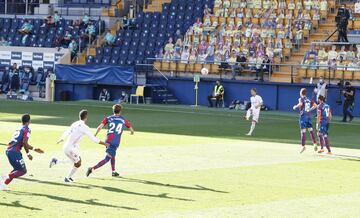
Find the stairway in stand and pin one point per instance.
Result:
(325, 29)
(156, 5)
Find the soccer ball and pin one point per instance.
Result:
(204, 71)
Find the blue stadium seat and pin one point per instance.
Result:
(90, 59)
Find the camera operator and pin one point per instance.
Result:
(349, 94)
(342, 16)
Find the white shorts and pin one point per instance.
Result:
(255, 113)
(73, 154)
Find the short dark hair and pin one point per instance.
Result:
(117, 108)
(322, 98)
(347, 83)
(25, 118)
(83, 114)
(303, 91)
(254, 89)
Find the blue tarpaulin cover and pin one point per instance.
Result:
(101, 74)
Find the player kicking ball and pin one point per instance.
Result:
(322, 124)
(254, 110)
(13, 152)
(74, 135)
(116, 124)
(306, 106)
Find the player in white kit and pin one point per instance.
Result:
(254, 110)
(74, 135)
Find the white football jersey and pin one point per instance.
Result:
(75, 133)
(256, 101)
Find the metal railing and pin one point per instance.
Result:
(225, 70)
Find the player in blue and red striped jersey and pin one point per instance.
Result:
(116, 125)
(322, 124)
(20, 140)
(306, 106)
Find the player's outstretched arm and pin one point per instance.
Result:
(99, 128)
(28, 147)
(132, 131)
(297, 105)
(64, 136)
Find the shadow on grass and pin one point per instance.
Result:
(17, 204)
(118, 190)
(92, 202)
(55, 183)
(147, 182)
(106, 188)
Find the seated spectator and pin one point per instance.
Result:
(160, 54)
(73, 46)
(341, 53)
(323, 64)
(178, 35)
(3, 42)
(26, 28)
(322, 54)
(104, 95)
(265, 68)
(207, 10)
(332, 64)
(341, 64)
(109, 38)
(57, 18)
(332, 54)
(217, 94)
(357, 7)
(185, 54)
(85, 20)
(350, 54)
(90, 31)
(313, 64)
(66, 39)
(14, 80)
(353, 65)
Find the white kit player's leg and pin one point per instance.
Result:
(248, 114)
(255, 118)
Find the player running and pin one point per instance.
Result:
(115, 124)
(13, 152)
(305, 107)
(74, 135)
(322, 124)
(254, 110)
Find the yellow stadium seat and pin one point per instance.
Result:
(138, 93)
(348, 75)
(339, 74)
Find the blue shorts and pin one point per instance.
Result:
(324, 128)
(112, 150)
(305, 123)
(16, 160)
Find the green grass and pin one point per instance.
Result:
(183, 162)
(182, 120)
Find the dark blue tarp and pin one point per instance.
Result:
(100, 74)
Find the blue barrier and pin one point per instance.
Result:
(277, 96)
(95, 74)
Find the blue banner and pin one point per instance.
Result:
(101, 74)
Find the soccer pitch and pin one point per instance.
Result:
(183, 162)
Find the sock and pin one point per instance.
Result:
(313, 137)
(253, 124)
(327, 144)
(303, 138)
(72, 172)
(113, 164)
(321, 139)
(101, 163)
(14, 174)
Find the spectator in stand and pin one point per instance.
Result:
(14, 80)
(90, 31)
(341, 53)
(332, 64)
(322, 54)
(26, 28)
(85, 20)
(109, 38)
(332, 54)
(178, 35)
(341, 64)
(265, 68)
(73, 46)
(66, 39)
(104, 95)
(207, 10)
(350, 54)
(3, 42)
(353, 65)
(57, 18)
(217, 94)
(357, 7)
(323, 64)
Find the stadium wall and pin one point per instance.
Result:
(277, 96)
